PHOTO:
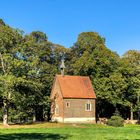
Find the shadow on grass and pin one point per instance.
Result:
(33, 136)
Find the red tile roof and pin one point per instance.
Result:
(76, 86)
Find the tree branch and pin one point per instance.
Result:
(2, 63)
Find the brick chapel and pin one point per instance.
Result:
(73, 99)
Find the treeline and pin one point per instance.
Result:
(29, 62)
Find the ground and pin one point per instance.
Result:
(58, 131)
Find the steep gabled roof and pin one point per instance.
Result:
(76, 86)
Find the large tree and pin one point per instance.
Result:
(26, 73)
(91, 57)
(9, 40)
(130, 70)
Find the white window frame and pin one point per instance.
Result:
(88, 106)
(67, 104)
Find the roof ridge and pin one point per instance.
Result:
(72, 75)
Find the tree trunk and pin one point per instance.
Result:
(5, 114)
(5, 104)
(34, 116)
(131, 113)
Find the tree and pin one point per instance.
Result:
(37, 51)
(9, 39)
(131, 72)
(92, 58)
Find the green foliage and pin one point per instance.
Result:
(116, 121)
(29, 62)
(116, 113)
(116, 80)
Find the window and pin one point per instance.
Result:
(67, 104)
(88, 106)
(56, 110)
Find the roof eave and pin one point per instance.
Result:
(77, 98)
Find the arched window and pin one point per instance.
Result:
(88, 106)
(56, 110)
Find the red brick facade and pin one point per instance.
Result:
(77, 108)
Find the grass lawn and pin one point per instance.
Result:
(57, 131)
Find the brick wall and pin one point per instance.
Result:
(56, 98)
(77, 108)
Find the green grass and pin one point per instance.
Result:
(49, 131)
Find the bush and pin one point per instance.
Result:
(116, 121)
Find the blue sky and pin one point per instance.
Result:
(62, 20)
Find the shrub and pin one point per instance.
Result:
(116, 121)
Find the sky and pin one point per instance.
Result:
(63, 20)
